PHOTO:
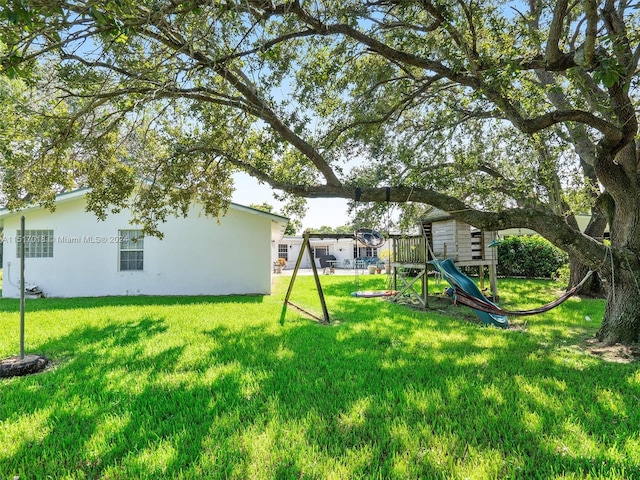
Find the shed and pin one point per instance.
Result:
(444, 237)
(465, 244)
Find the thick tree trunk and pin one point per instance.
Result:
(577, 271)
(619, 175)
(621, 323)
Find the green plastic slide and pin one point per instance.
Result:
(458, 279)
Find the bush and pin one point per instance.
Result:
(530, 257)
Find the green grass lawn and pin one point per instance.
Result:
(217, 388)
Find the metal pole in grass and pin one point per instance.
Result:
(22, 287)
(23, 365)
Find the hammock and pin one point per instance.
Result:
(469, 300)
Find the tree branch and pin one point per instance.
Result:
(532, 125)
(552, 52)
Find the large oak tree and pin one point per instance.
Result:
(502, 113)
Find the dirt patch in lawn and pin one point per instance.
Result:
(611, 353)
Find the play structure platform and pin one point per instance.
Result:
(441, 237)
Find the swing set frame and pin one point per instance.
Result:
(369, 235)
(306, 247)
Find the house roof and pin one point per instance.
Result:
(279, 222)
(433, 214)
(257, 211)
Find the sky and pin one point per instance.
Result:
(332, 212)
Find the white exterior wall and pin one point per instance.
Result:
(294, 244)
(197, 256)
(341, 248)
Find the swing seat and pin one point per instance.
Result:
(369, 237)
(374, 293)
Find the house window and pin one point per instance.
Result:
(360, 252)
(131, 249)
(283, 251)
(37, 243)
(320, 251)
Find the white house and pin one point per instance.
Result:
(346, 250)
(71, 253)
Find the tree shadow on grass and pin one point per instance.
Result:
(520, 395)
(111, 405)
(70, 397)
(387, 393)
(515, 400)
